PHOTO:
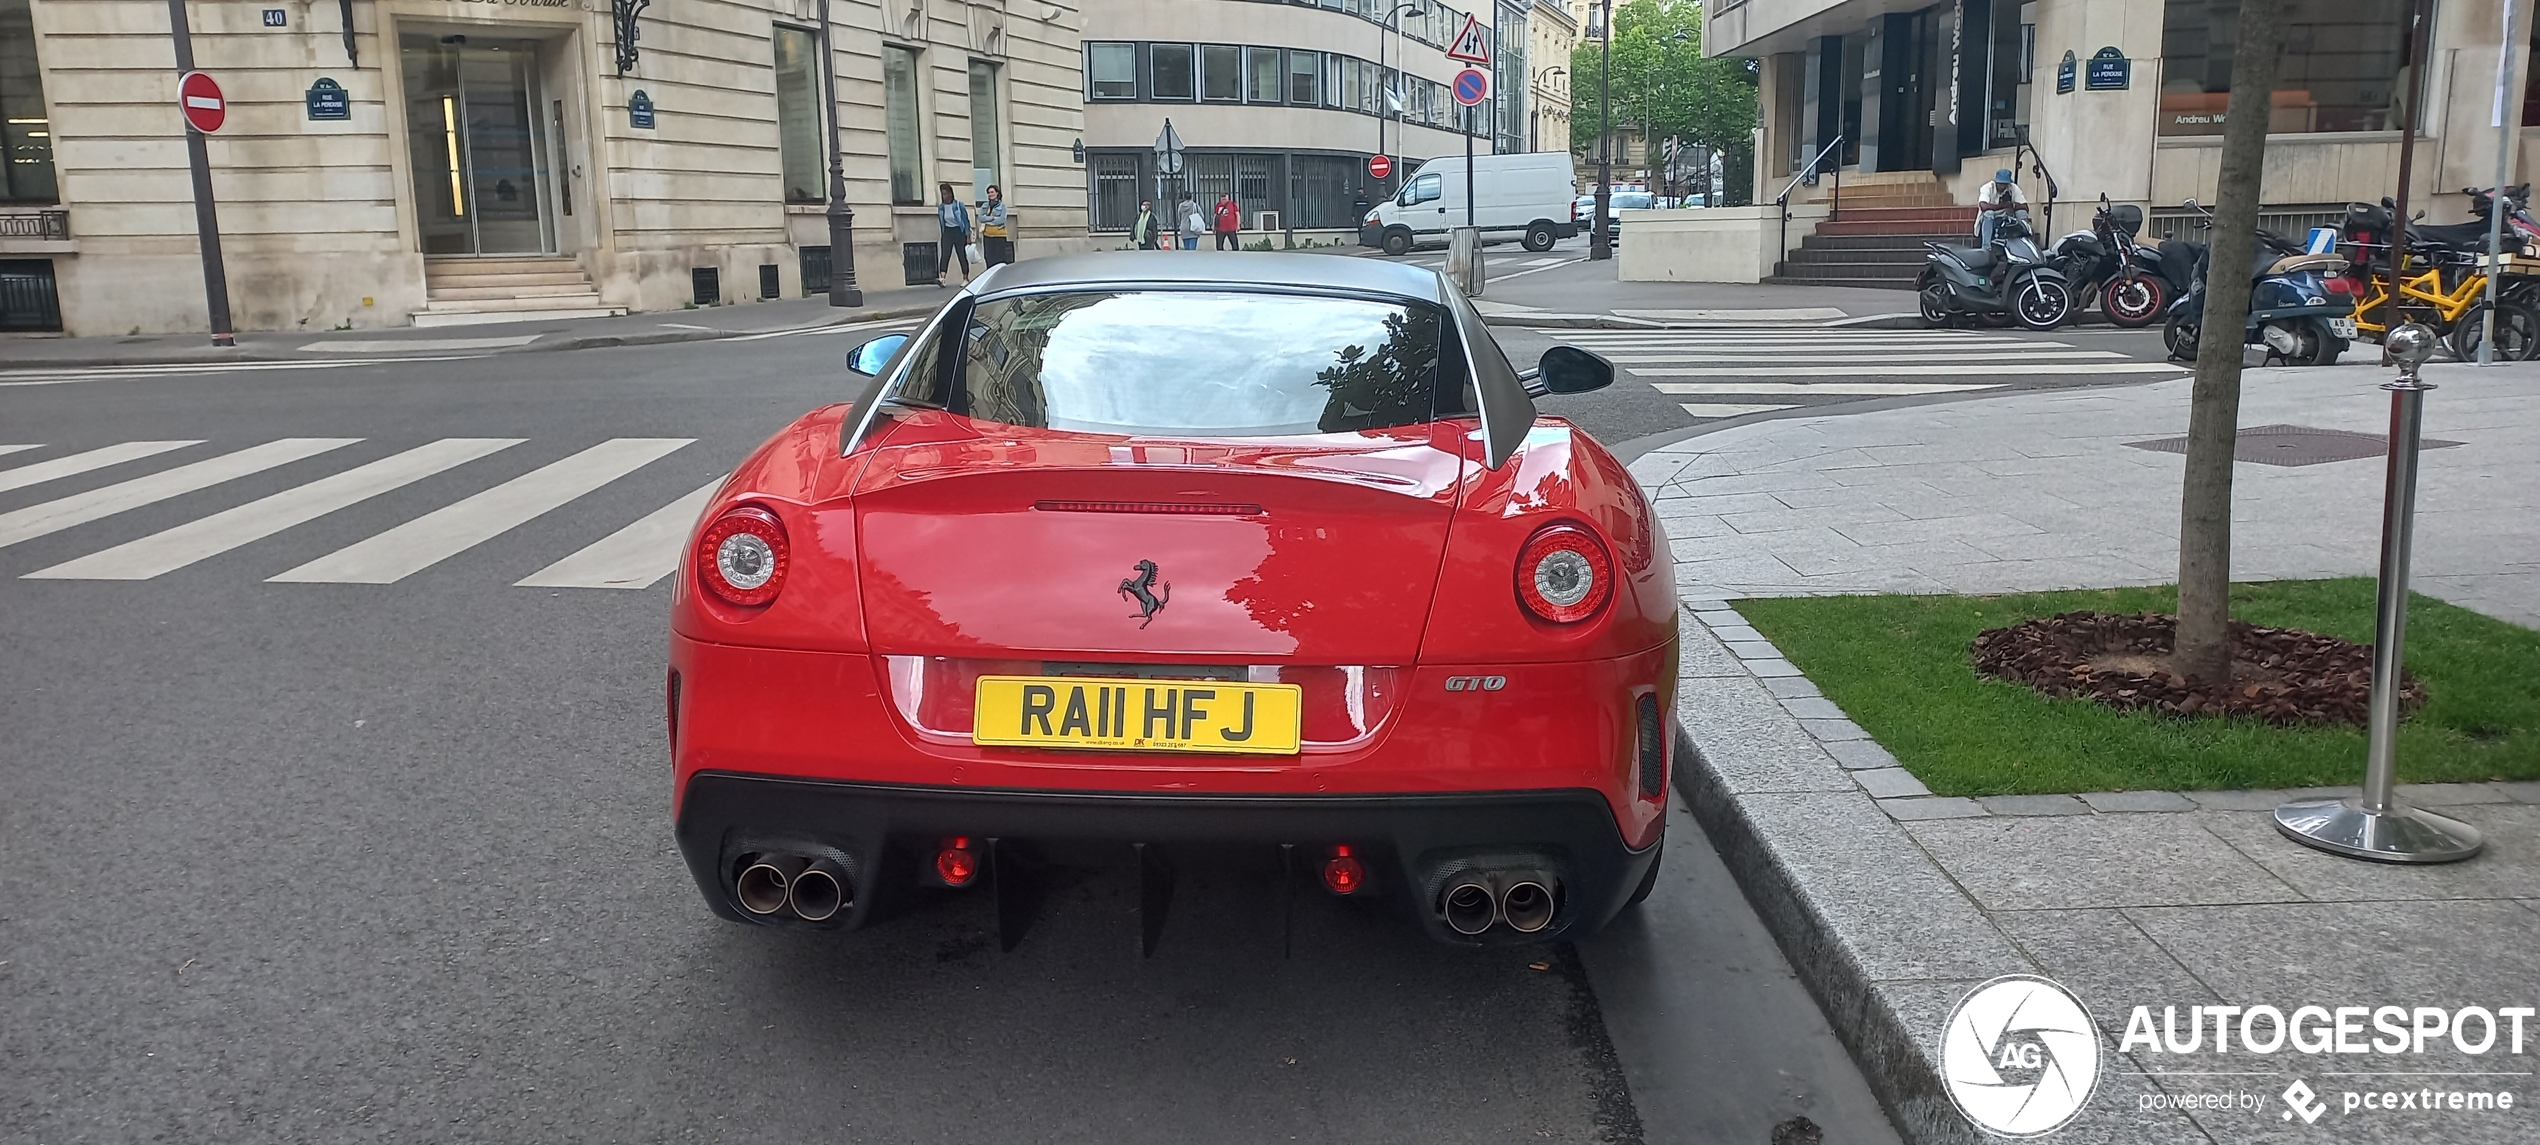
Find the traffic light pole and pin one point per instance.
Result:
(206, 215)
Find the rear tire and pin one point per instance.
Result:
(2180, 335)
(2517, 333)
(2134, 301)
(1539, 237)
(1934, 298)
(1397, 243)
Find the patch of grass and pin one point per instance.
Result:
(1899, 667)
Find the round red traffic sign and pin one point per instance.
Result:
(1379, 166)
(1472, 86)
(200, 98)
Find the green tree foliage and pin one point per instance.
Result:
(1663, 82)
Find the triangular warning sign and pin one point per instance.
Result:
(1472, 45)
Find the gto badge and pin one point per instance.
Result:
(1476, 683)
(1142, 589)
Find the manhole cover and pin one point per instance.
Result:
(2295, 445)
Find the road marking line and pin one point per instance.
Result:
(172, 370)
(1794, 314)
(1855, 357)
(452, 529)
(79, 509)
(1642, 341)
(8, 449)
(60, 467)
(1727, 409)
(1553, 261)
(254, 521)
(632, 557)
(1524, 273)
(1996, 369)
(1859, 389)
(877, 326)
(398, 345)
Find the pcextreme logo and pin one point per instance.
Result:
(2020, 1056)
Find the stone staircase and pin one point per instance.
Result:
(513, 288)
(1877, 241)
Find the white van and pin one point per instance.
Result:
(1525, 196)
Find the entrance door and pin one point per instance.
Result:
(479, 147)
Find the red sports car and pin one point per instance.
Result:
(1135, 555)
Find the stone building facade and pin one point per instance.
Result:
(1555, 31)
(449, 161)
(2127, 97)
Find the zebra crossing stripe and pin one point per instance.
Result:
(5, 450)
(632, 557)
(1855, 357)
(79, 509)
(210, 536)
(1962, 369)
(77, 463)
(1727, 409)
(1821, 389)
(436, 536)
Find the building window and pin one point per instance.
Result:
(1261, 84)
(1114, 70)
(26, 135)
(1221, 72)
(798, 114)
(899, 117)
(984, 137)
(1305, 76)
(1174, 77)
(1115, 191)
(2341, 69)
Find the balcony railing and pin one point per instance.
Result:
(53, 224)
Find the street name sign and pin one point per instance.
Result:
(199, 97)
(327, 100)
(639, 110)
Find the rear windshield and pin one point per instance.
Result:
(1206, 364)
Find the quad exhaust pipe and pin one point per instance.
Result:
(814, 890)
(1472, 901)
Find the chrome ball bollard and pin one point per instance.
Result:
(2374, 824)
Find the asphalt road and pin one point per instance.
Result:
(341, 861)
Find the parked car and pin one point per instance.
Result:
(1523, 196)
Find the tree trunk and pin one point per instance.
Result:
(2203, 652)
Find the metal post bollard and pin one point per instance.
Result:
(2375, 825)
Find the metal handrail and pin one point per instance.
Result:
(2038, 161)
(43, 224)
(1809, 175)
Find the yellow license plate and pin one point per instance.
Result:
(1138, 715)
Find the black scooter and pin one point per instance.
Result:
(2010, 280)
(2105, 263)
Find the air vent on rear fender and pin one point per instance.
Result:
(1653, 749)
(1169, 508)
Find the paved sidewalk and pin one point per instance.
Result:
(1893, 904)
(741, 319)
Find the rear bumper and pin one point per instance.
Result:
(1409, 842)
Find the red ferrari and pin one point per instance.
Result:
(1152, 556)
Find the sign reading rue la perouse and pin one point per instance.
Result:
(327, 100)
(2109, 70)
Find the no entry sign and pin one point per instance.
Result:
(1379, 166)
(1472, 86)
(200, 98)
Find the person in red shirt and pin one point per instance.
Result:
(1230, 219)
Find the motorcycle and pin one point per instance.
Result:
(2009, 280)
(2293, 312)
(2446, 284)
(2106, 263)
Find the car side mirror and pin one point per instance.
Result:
(1568, 370)
(869, 358)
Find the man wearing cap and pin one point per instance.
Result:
(1993, 200)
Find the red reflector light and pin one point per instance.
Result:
(1342, 873)
(1564, 574)
(1170, 508)
(956, 864)
(2341, 286)
(742, 556)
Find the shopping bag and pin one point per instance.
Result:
(973, 251)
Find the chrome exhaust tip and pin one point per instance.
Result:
(765, 881)
(1529, 904)
(1468, 906)
(820, 892)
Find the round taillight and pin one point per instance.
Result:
(742, 557)
(1564, 574)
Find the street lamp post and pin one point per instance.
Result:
(1393, 91)
(842, 287)
(1601, 238)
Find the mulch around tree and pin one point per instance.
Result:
(2280, 675)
